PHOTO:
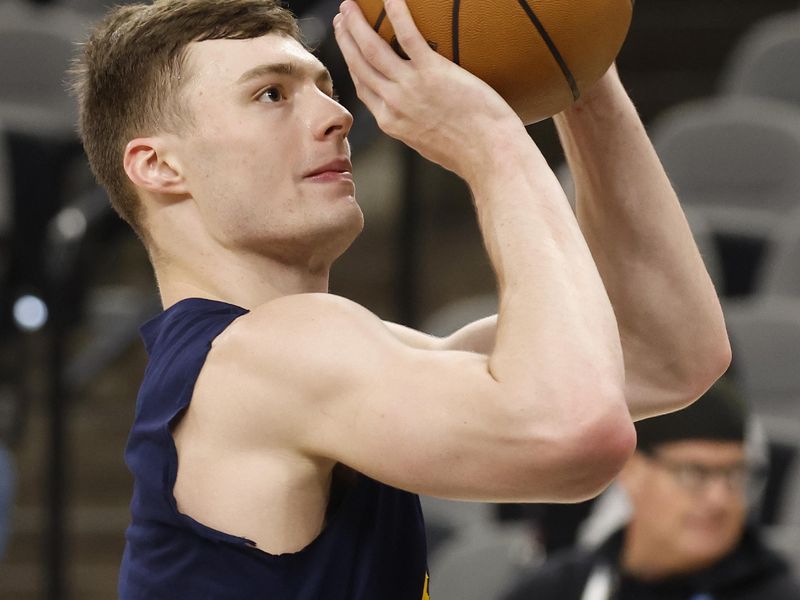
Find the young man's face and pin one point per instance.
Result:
(267, 160)
(689, 500)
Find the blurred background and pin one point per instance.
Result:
(716, 83)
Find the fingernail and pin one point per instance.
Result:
(345, 6)
(337, 20)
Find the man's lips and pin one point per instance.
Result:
(337, 167)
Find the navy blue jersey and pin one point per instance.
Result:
(372, 547)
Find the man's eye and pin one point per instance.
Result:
(271, 94)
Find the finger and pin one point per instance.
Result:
(374, 49)
(360, 68)
(374, 103)
(365, 78)
(408, 36)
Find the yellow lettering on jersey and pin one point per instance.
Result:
(425, 593)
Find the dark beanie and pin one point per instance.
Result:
(719, 415)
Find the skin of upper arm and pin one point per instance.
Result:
(327, 378)
(478, 336)
(647, 381)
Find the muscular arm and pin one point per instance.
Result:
(540, 417)
(671, 326)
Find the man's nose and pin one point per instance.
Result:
(720, 491)
(333, 119)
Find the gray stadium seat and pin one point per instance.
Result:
(782, 270)
(766, 342)
(37, 45)
(483, 563)
(733, 159)
(704, 237)
(766, 61)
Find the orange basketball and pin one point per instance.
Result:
(538, 54)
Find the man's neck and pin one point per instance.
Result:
(244, 282)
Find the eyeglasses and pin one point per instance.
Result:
(695, 477)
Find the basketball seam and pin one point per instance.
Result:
(379, 22)
(562, 64)
(456, 19)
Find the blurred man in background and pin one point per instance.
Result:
(688, 537)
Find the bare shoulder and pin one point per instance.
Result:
(301, 328)
(313, 324)
(274, 364)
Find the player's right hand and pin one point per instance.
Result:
(428, 102)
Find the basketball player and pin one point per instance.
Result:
(281, 433)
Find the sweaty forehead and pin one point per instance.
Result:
(225, 61)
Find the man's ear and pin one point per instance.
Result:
(148, 167)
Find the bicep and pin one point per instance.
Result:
(429, 421)
(477, 336)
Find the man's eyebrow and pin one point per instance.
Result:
(320, 76)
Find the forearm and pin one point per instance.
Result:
(556, 327)
(669, 317)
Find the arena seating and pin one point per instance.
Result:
(483, 561)
(758, 64)
(781, 276)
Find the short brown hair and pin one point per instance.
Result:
(129, 77)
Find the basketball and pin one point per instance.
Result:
(540, 55)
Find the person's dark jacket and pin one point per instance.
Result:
(750, 572)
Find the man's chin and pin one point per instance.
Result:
(709, 548)
(337, 239)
